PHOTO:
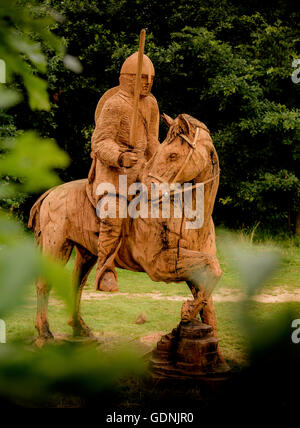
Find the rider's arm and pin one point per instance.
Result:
(104, 139)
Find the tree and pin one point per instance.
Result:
(231, 65)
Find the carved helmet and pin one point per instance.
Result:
(130, 65)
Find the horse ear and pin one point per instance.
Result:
(167, 119)
(184, 123)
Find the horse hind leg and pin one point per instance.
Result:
(84, 262)
(42, 323)
(60, 250)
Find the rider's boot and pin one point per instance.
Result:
(109, 238)
(109, 281)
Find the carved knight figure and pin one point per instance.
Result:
(113, 154)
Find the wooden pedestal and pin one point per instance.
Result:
(188, 352)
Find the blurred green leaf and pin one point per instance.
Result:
(73, 63)
(10, 230)
(8, 98)
(37, 91)
(31, 49)
(60, 279)
(70, 369)
(254, 264)
(254, 267)
(21, 263)
(19, 267)
(33, 158)
(20, 26)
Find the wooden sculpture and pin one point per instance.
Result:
(125, 145)
(64, 218)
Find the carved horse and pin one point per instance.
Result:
(164, 248)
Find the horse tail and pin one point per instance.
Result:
(34, 217)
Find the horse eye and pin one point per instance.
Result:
(173, 156)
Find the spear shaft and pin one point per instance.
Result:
(137, 89)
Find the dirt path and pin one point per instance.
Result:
(279, 295)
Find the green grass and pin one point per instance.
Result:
(116, 314)
(287, 277)
(116, 317)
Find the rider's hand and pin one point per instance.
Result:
(128, 159)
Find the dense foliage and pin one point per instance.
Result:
(100, 34)
(226, 62)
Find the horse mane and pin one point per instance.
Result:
(194, 122)
(182, 121)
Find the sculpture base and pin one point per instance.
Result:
(189, 352)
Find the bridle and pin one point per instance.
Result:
(193, 146)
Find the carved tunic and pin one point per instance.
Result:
(111, 138)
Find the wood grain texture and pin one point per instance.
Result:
(163, 248)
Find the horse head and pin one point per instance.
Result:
(186, 154)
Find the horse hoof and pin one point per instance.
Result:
(44, 332)
(43, 340)
(187, 311)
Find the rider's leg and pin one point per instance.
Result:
(109, 239)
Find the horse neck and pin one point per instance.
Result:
(210, 179)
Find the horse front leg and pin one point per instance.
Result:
(202, 279)
(191, 308)
(201, 270)
(207, 313)
(208, 316)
